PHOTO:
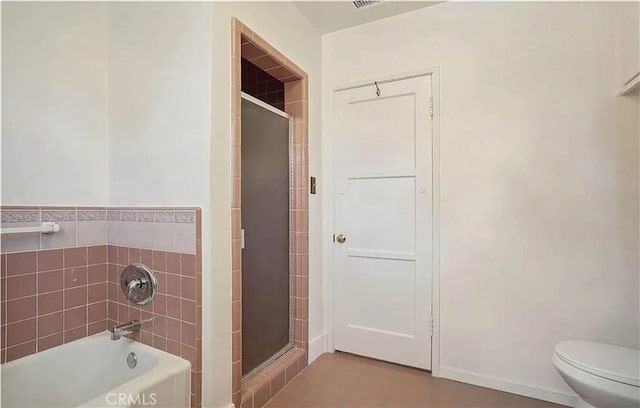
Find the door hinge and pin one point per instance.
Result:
(431, 326)
(431, 106)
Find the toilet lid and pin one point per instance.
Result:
(615, 363)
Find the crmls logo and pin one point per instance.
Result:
(124, 399)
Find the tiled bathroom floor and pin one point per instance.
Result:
(342, 380)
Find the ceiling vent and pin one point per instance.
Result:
(365, 3)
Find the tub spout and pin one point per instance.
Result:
(125, 328)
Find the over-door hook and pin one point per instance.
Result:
(377, 88)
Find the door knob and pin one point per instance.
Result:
(341, 238)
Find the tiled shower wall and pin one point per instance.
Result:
(255, 391)
(256, 82)
(60, 287)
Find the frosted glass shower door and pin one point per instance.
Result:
(265, 221)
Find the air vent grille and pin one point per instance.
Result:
(364, 3)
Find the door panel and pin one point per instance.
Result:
(383, 204)
(369, 135)
(265, 220)
(373, 205)
(379, 309)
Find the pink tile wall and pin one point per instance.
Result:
(51, 297)
(173, 321)
(61, 287)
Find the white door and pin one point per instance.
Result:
(382, 206)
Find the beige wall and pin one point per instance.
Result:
(538, 175)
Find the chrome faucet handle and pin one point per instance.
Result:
(134, 285)
(139, 283)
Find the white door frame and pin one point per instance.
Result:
(328, 203)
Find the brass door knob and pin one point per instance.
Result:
(341, 238)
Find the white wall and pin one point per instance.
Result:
(106, 104)
(282, 25)
(159, 103)
(54, 94)
(538, 175)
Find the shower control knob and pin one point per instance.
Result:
(134, 285)
(139, 283)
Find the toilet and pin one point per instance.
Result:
(603, 375)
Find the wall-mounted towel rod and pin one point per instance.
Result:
(45, 228)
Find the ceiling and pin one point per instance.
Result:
(328, 16)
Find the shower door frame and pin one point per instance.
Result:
(255, 391)
(292, 282)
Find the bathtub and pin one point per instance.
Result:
(94, 372)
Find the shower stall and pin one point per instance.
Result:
(266, 193)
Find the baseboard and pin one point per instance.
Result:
(317, 347)
(557, 397)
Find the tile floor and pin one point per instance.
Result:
(342, 380)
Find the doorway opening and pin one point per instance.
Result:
(263, 379)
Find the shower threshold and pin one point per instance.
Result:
(267, 362)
